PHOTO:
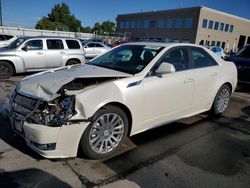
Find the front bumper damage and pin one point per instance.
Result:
(65, 138)
(40, 131)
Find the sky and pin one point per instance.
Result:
(26, 13)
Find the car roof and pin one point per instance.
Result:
(162, 44)
(46, 37)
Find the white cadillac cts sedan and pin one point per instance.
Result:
(128, 90)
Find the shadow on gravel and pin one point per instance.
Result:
(158, 143)
(153, 145)
(30, 178)
(246, 110)
(13, 140)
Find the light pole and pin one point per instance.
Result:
(1, 21)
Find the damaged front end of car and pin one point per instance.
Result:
(53, 113)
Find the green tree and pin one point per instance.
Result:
(60, 18)
(106, 26)
(87, 30)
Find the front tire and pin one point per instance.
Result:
(6, 70)
(105, 134)
(221, 100)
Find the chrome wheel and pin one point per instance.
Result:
(223, 100)
(106, 133)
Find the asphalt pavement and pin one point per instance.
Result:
(195, 152)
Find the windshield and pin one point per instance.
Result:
(130, 59)
(16, 43)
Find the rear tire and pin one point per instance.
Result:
(221, 100)
(105, 134)
(72, 62)
(6, 70)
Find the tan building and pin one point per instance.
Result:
(199, 25)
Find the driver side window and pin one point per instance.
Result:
(34, 45)
(177, 57)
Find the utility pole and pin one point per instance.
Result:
(1, 21)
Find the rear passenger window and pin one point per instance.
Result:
(91, 45)
(201, 58)
(73, 44)
(98, 45)
(54, 44)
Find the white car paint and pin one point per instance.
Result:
(151, 100)
(93, 49)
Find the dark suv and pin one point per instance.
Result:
(242, 62)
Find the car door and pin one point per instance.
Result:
(99, 49)
(169, 96)
(33, 55)
(56, 53)
(242, 61)
(207, 75)
(90, 49)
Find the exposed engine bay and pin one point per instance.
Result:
(53, 113)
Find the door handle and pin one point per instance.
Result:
(214, 74)
(62, 52)
(189, 80)
(39, 53)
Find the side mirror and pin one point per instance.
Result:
(165, 68)
(25, 48)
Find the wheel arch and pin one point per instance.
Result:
(126, 110)
(74, 59)
(229, 85)
(11, 63)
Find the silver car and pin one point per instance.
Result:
(93, 49)
(39, 53)
(130, 89)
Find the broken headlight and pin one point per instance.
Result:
(54, 113)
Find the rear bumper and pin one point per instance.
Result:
(65, 138)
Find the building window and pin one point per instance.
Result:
(213, 43)
(121, 25)
(188, 22)
(216, 25)
(152, 24)
(178, 22)
(207, 43)
(145, 24)
(204, 23)
(222, 26)
(210, 25)
(226, 27)
(201, 42)
(223, 45)
(140, 24)
(161, 24)
(218, 43)
(133, 25)
(126, 25)
(231, 28)
(170, 23)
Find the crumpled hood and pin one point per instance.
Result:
(44, 85)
